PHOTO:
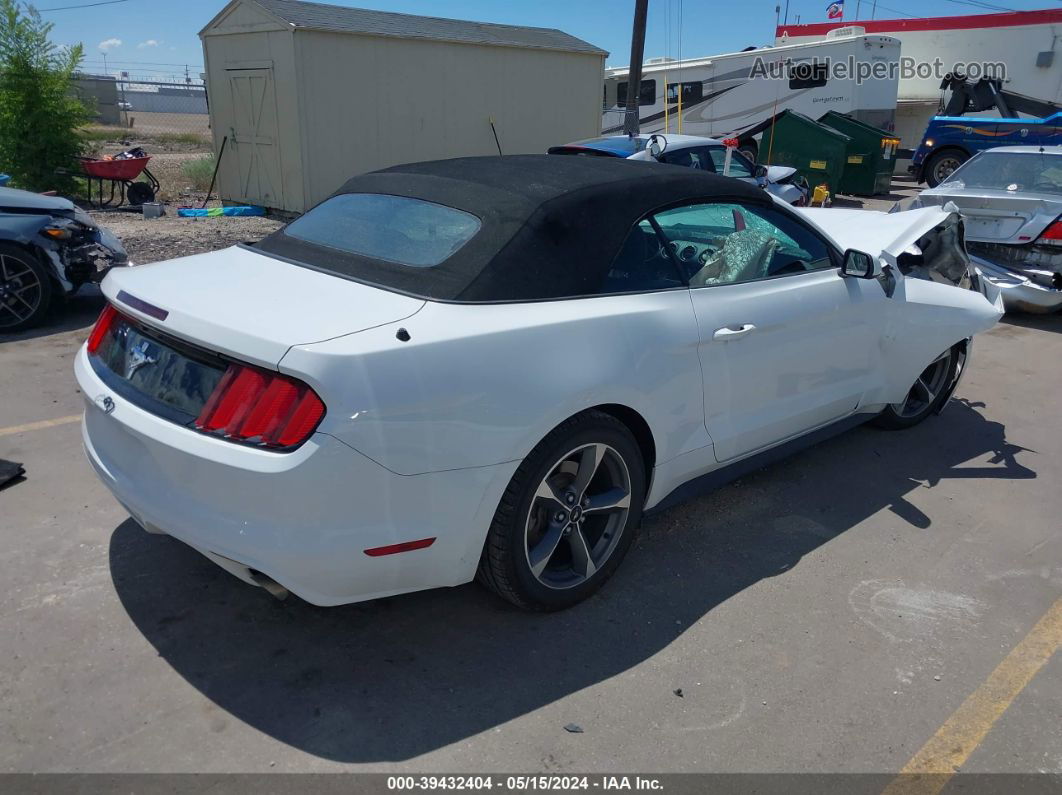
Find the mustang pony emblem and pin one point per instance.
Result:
(138, 357)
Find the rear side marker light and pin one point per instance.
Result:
(405, 546)
(261, 407)
(103, 325)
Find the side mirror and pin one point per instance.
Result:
(860, 265)
(656, 146)
(761, 171)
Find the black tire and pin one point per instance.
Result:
(505, 566)
(941, 163)
(139, 193)
(937, 377)
(26, 289)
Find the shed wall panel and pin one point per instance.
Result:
(369, 102)
(226, 54)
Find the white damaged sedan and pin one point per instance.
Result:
(491, 367)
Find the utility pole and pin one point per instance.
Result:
(634, 73)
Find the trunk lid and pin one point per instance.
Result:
(996, 216)
(248, 305)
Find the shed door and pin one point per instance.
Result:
(254, 133)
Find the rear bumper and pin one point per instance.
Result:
(1019, 293)
(303, 518)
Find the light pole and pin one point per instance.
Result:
(634, 73)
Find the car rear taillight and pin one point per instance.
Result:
(1053, 234)
(103, 325)
(261, 407)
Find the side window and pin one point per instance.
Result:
(728, 243)
(646, 93)
(641, 265)
(691, 92)
(807, 74)
(694, 157)
(739, 166)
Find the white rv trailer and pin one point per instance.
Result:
(731, 94)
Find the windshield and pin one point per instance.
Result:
(393, 228)
(1036, 172)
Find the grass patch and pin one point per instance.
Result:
(198, 172)
(111, 134)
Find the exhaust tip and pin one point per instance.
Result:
(271, 585)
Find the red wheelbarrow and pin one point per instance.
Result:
(122, 175)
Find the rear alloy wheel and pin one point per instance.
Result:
(568, 516)
(941, 164)
(25, 289)
(925, 396)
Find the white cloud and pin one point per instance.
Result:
(149, 43)
(110, 44)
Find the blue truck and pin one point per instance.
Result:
(953, 138)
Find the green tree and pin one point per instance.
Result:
(39, 116)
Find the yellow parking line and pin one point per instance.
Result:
(36, 426)
(939, 759)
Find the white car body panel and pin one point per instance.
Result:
(808, 359)
(412, 407)
(421, 437)
(241, 303)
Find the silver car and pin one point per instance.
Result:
(1011, 200)
(694, 151)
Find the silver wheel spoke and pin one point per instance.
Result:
(23, 300)
(581, 560)
(589, 460)
(944, 355)
(539, 556)
(926, 390)
(3, 267)
(616, 499)
(547, 492)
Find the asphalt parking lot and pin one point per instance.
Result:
(880, 600)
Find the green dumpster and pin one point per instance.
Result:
(870, 158)
(816, 151)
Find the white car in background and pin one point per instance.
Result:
(491, 367)
(694, 151)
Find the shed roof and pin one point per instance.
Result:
(342, 19)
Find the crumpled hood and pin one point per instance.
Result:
(876, 233)
(779, 173)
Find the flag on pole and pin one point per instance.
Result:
(835, 10)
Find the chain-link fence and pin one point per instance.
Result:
(168, 120)
(163, 116)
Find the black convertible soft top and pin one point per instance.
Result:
(551, 225)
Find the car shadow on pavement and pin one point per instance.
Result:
(392, 679)
(1050, 322)
(78, 311)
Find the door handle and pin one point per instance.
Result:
(733, 332)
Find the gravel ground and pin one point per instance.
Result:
(151, 240)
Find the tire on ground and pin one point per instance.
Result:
(23, 288)
(503, 566)
(891, 420)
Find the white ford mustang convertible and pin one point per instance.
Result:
(491, 367)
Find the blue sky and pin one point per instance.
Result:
(157, 37)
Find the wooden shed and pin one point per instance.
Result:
(309, 94)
